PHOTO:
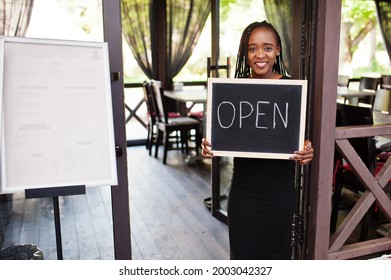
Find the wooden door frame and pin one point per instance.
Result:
(322, 78)
(119, 194)
(322, 75)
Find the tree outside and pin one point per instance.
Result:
(362, 50)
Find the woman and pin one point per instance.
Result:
(261, 202)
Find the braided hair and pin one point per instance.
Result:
(243, 69)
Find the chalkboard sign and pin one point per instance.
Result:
(57, 120)
(256, 117)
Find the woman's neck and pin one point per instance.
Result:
(271, 76)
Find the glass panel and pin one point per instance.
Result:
(233, 20)
(195, 67)
(134, 99)
(74, 20)
(226, 165)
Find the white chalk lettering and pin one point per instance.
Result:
(260, 114)
(241, 112)
(285, 121)
(233, 115)
(228, 109)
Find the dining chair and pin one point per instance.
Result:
(152, 118)
(343, 85)
(385, 81)
(343, 80)
(382, 101)
(151, 114)
(368, 83)
(344, 177)
(216, 69)
(184, 126)
(210, 68)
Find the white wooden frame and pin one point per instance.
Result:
(57, 119)
(238, 153)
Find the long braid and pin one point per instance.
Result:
(243, 69)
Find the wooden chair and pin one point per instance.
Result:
(343, 81)
(210, 68)
(152, 113)
(368, 83)
(184, 126)
(385, 81)
(348, 115)
(152, 117)
(382, 101)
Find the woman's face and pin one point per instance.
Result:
(262, 52)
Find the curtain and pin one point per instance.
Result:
(15, 17)
(383, 8)
(185, 21)
(279, 14)
(136, 29)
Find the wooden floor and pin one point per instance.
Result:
(168, 218)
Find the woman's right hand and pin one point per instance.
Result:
(206, 149)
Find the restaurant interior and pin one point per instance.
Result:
(170, 202)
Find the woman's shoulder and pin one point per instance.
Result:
(285, 77)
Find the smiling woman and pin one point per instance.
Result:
(259, 217)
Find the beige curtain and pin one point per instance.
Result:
(185, 21)
(279, 14)
(15, 17)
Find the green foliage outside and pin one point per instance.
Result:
(359, 21)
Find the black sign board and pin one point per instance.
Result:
(256, 117)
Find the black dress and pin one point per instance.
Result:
(261, 206)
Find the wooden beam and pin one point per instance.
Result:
(345, 132)
(297, 46)
(324, 84)
(362, 249)
(159, 8)
(362, 206)
(215, 33)
(119, 194)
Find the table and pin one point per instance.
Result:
(353, 95)
(194, 95)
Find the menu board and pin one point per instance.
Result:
(56, 114)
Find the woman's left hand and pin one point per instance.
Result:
(305, 156)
